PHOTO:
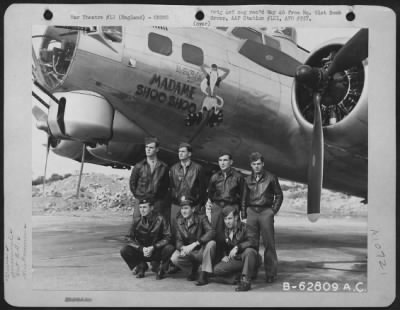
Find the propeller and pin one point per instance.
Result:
(41, 123)
(353, 52)
(39, 114)
(317, 80)
(316, 163)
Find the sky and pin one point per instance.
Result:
(308, 38)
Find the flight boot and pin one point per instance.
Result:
(162, 270)
(203, 279)
(244, 285)
(193, 274)
(141, 269)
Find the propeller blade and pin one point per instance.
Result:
(315, 164)
(45, 164)
(80, 173)
(41, 119)
(39, 114)
(353, 52)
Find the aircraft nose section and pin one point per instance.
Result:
(53, 50)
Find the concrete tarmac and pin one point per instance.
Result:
(81, 253)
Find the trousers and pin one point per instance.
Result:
(217, 223)
(262, 223)
(247, 263)
(204, 256)
(175, 210)
(134, 257)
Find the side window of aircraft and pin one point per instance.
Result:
(272, 42)
(192, 54)
(247, 34)
(286, 32)
(160, 44)
(113, 33)
(222, 28)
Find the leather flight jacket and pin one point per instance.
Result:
(192, 184)
(199, 230)
(240, 238)
(152, 230)
(264, 193)
(144, 184)
(226, 191)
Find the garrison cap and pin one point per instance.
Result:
(186, 201)
(185, 144)
(149, 140)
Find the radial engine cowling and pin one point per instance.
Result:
(344, 106)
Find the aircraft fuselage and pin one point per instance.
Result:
(157, 92)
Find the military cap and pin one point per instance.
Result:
(148, 200)
(186, 201)
(149, 140)
(228, 209)
(185, 144)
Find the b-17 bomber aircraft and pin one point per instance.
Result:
(104, 88)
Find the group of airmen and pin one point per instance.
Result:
(183, 221)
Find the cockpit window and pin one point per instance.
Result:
(53, 52)
(113, 33)
(160, 44)
(192, 54)
(247, 34)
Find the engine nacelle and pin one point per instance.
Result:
(81, 116)
(89, 118)
(73, 150)
(127, 154)
(68, 148)
(121, 153)
(344, 107)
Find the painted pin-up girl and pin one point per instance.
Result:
(212, 79)
(211, 101)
